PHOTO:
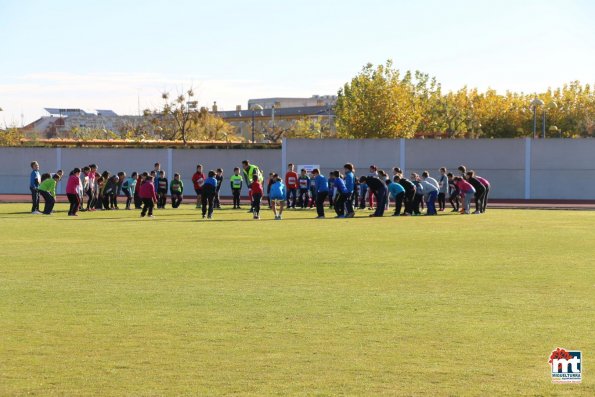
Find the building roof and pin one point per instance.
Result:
(281, 112)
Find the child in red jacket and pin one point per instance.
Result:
(148, 196)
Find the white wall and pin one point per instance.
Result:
(517, 168)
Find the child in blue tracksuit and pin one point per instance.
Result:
(350, 186)
(321, 191)
(278, 196)
(341, 194)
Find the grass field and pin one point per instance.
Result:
(111, 304)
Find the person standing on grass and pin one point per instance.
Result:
(162, 186)
(419, 194)
(467, 191)
(480, 190)
(304, 186)
(278, 196)
(92, 188)
(47, 189)
(72, 187)
(148, 196)
(378, 188)
(291, 182)
(442, 189)
(138, 202)
(453, 193)
(249, 171)
(321, 191)
(431, 188)
(350, 186)
(198, 179)
(397, 193)
(129, 189)
(176, 190)
(257, 192)
(219, 178)
(235, 182)
(208, 195)
(34, 181)
(409, 197)
(487, 186)
(341, 194)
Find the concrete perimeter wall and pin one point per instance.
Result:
(15, 163)
(517, 168)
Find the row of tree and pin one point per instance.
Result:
(380, 102)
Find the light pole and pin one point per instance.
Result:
(273, 119)
(254, 108)
(534, 103)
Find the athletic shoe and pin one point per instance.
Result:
(35, 213)
(340, 216)
(151, 216)
(396, 214)
(320, 217)
(350, 215)
(476, 212)
(210, 217)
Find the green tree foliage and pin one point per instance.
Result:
(379, 103)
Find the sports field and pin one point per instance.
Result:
(111, 304)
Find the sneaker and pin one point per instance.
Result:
(203, 217)
(256, 217)
(340, 216)
(396, 214)
(455, 210)
(350, 215)
(142, 215)
(210, 217)
(151, 216)
(476, 212)
(36, 213)
(320, 217)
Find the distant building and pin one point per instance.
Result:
(279, 102)
(277, 114)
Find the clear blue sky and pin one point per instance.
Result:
(114, 54)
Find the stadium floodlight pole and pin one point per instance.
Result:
(273, 118)
(534, 103)
(254, 108)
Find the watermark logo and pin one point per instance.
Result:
(566, 366)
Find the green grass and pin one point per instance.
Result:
(111, 304)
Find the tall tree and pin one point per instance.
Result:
(378, 103)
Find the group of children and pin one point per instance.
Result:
(344, 192)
